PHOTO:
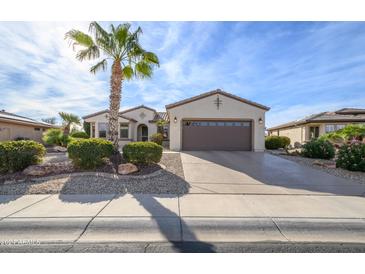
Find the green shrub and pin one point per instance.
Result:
(87, 127)
(349, 132)
(353, 131)
(284, 141)
(275, 142)
(318, 149)
(55, 136)
(80, 134)
(142, 152)
(89, 153)
(352, 157)
(17, 155)
(157, 138)
(333, 137)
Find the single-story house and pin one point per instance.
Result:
(314, 126)
(215, 120)
(13, 126)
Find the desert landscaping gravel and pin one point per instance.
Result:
(167, 181)
(343, 173)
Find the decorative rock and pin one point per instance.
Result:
(35, 171)
(49, 168)
(127, 168)
(60, 149)
(330, 165)
(317, 163)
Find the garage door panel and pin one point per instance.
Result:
(217, 135)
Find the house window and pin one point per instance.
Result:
(124, 129)
(92, 130)
(37, 129)
(331, 128)
(102, 129)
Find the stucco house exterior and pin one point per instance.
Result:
(314, 126)
(13, 126)
(215, 120)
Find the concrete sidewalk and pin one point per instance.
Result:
(194, 218)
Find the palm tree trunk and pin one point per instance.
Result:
(66, 130)
(115, 96)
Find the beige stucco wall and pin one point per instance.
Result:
(10, 131)
(132, 133)
(205, 108)
(136, 115)
(296, 134)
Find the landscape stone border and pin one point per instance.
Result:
(91, 173)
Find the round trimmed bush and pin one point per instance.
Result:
(17, 155)
(319, 149)
(352, 157)
(157, 138)
(80, 134)
(89, 153)
(142, 152)
(284, 141)
(275, 142)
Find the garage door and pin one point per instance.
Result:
(217, 135)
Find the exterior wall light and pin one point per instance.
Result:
(175, 119)
(260, 121)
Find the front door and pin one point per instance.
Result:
(142, 133)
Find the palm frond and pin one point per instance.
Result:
(151, 58)
(128, 72)
(143, 70)
(121, 34)
(98, 31)
(78, 38)
(102, 65)
(69, 118)
(89, 53)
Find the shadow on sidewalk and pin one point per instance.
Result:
(149, 202)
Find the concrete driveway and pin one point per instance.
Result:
(226, 172)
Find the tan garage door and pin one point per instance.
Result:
(217, 135)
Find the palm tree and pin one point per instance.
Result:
(121, 46)
(68, 119)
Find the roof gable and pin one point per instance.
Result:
(214, 92)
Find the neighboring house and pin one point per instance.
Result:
(215, 120)
(316, 125)
(14, 126)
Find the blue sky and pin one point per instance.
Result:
(296, 68)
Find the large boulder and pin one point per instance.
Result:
(60, 149)
(49, 168)
(127, 168)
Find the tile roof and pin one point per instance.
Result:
(107, 111)
(213, 92)
(10, 117)
(342, 115)
(160, 116)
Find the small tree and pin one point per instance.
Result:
(50, 120)
(68, 119)
(160, 124)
